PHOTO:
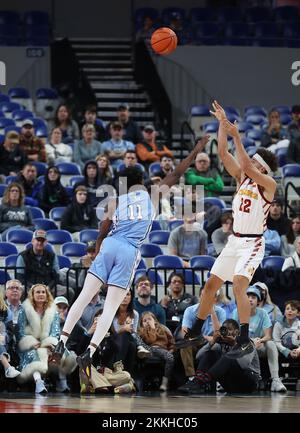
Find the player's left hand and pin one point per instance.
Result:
(200, 146)
(231, 128)
(219, 112)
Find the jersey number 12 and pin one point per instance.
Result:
(135, 212)
(245, 205)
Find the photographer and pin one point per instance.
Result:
(235, 375)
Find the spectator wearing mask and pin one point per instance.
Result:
(132, 131)
(12, 158)
(87, 148)
(56, 150)
(287, 241)
(220, 236)
(276, 219)
(116, 147)
(148, 150)
(52, 194)
(32, 146)
(30, 183)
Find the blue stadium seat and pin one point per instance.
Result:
(167, 262)
(291, 34)
(189, 276)
(10, 179)
(46, 93)
(256, 14)
(202, 262)
(159, 237)
(41, 167)
(19, 236)
(207, 33)
(255, 134)
(211, 126)
(56, 213)
(63, 261)
(37, 28)
(236, 33)
(230, 14)
(274, 262)
(9, 28)
(291, 170)
(232, 117)
(245, 126)
(255, 119)
(75, 179)
(2, 138)
(4, 98)
(255, 109)
(88, 235)
(168, 13)
(44, 224)
(286, 13)
(154, 168)
(282, 109)
(48, 247)
(141, 13)
(4, 122)
(248, 142)
(229, 109)
(41, 131)
(266, 34)
(18, 92)
(59, 237)
(68, 170)
(137, 165)
(4, 276)
(200, 110)
(70, 191)
(285, 119)
(37, 121)
(37, 212)
(19, 115)
(175, 223)
(6, 249)
(12, 128)
(281, 156)
(149, 250)
(251, 150)
(11, 260)
(73, 249)
(142, 265)
(3, 187)
(155, 225)
(9, 107)
(197, 14)
(153, 276)
(214, 201)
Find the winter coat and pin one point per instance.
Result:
(52, 194)
(79, 217)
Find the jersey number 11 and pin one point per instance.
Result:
(135, 212)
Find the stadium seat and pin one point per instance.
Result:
(175, 223)
(73, 250)
(291, 34)
(88, 235)
(285, 119)
(155, 225)
(41, 167)
(281, 156)
(64, 261)
(122, 166)
(4, 98)
(236, 33)
(12, 128)
(282, 109)
(168, 13)
(255, 119)
(291, 174)
(75, 179)
(149, 251)
(4, 276)
(20, 115)
(255, 109)
(154, 168)
(251, 150)
(41, 131)
(37, 28)
(200, 110)
(22, 97)
(232, 117)
(37, 212)
(244, 126)
(211, 127)
(214, 201)
(199, 115)
(58, 238)
(8, 107)
(167, 262)
(142, 264)
(3, 187)
(10, 179)
(159, 237)
(230, 14)
(198, 14)
(4, 122)
(46, 102)
(153, 276)
(207, 33)
(248, 142)
(44, 224)
(286, 13)
(19, 237)
(202, 262)
(56, 213)
(68, 170)
(2, 138)
(256, 14)
(254, 134)
(6, 249)
(9, 28)
(274, 262)
(141, 13)
(48, 247)
(11, 260)
(266, 34)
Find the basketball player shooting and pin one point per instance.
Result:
(246, 246)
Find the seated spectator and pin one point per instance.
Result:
(220, 236)
(68, 126)
(287, 241)
(272, 243)
(274, 132)
(276, 219)
(161, 343)
(105, 169)
(79, 215)
(30, 183)
(235, 375)
(294, 260)
(92, 181)
(56, 150)
(177, 300)
(224, 302)
(166, 165)
(116, 147)
(12, 158)
(266, 303)
(32, 146)
(187, 240)
(90, 118)
(52, 193)
(294, 126)
(286, 332)
(260, 331)
(37, 264)
(130, 160)
(13, 213)
(39, 333)
(144, 302)
(202, 174)
(145, 32)
(148, 150)
(131, 130)
(87, 148)
(5, 317)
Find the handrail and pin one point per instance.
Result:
(286, 204)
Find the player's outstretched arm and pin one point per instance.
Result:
(230, 163)
(172, 178)
(245, 162)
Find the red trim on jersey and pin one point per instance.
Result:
(262, 194)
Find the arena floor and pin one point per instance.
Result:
(151, 403)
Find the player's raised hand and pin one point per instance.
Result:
(231, 128)
(201, 143)
(219, 112)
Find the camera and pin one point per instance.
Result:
(223, 331)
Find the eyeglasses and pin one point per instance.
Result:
(14, 190)
(202, 160)
(13, 287)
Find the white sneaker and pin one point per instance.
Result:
(40, 387)
(277, 386)
(11, 372)
(142, 352)
(164, 384)
(62, 386)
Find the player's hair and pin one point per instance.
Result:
(134, 176)
(269, 157)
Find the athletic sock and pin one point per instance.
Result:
(244, 333)
(64, 338)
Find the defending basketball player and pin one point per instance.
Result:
(245, 248)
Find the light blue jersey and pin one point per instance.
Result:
(119, 255)
(133, 218)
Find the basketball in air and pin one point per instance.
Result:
(163, 40)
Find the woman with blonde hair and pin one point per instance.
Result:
(105, 169)
(160, 341)
(13, 213)
(39, 331)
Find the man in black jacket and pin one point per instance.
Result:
(12, 158)
(40, 265)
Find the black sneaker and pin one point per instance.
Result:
(85, 364)
(190, 340)
(57, 354)
(193, 387)
(240, 349)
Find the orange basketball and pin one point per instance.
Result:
(164, 40)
